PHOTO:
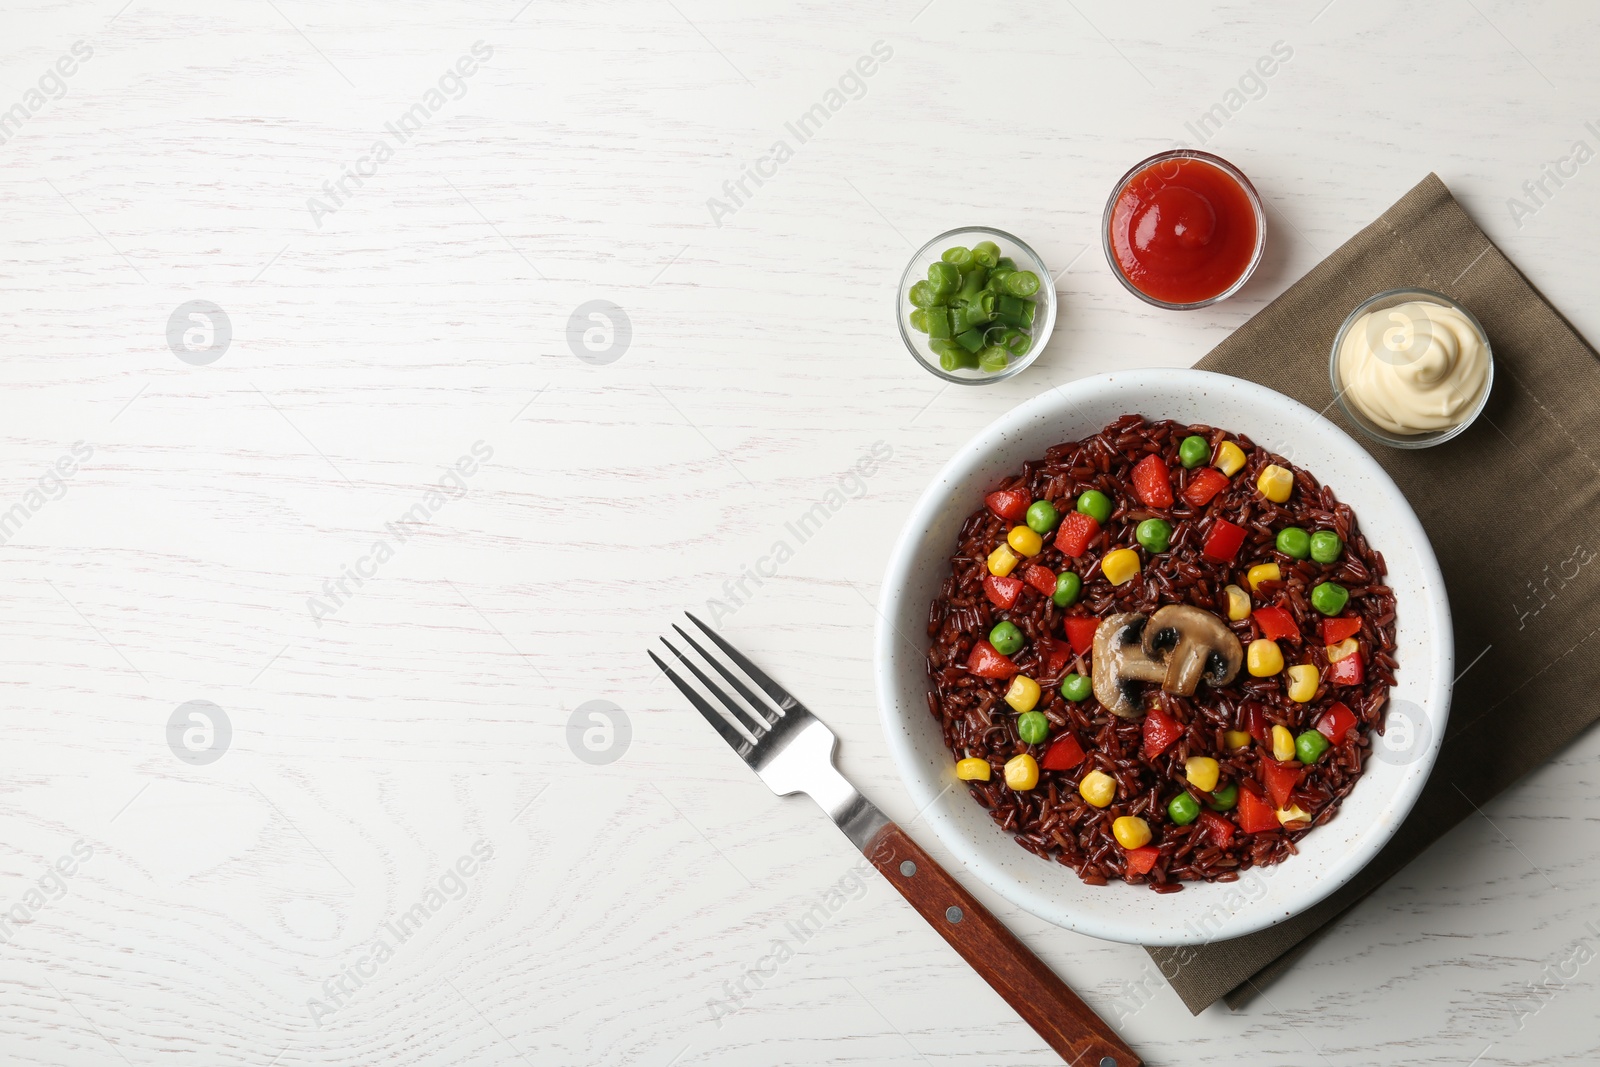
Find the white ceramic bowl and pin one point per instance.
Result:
(1331, 854)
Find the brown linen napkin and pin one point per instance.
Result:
(1521, 576)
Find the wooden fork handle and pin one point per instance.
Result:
(1066, 1023)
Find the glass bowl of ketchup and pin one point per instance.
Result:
(1184, 229)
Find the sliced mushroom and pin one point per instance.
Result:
(1193, 645)
(1119, 661)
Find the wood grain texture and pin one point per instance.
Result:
(633, 912)
(1044, 1002)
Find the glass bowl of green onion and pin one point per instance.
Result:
(975, 305)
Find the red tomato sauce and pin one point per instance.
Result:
(1183, 231)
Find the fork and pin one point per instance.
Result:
(791, 750)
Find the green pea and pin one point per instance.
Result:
(1042, 516)
(1006, 638)
(1329, 598)
(1033, 727)
(1184, 809)
(1326, 546)
(1068, 586)
(1294, 542)
(1076, 688)
(1225, 798)
(922, 295)
(1193, 452)
(1309, 745)
(1096, 505)
(1154, 534)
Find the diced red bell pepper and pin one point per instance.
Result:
(1219, 827)
(1041, 578)
(1063, 754)
(1009, 504)
(1076, 531)
(1351, 670)
(1080, 632)
(986, 662)
(1152, 482)
(1140, 860)
(1280, 780)
(1002, 592)
(1336, 630)
(1203, 485)
(1223, 542)
(1255, 814)
(1276, 624)
(1255, 723)
(1160, 730)
(1336, 722)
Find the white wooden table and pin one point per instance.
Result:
(298, 900)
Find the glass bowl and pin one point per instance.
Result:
(1227, 168)
(1026, 259)
(1387, 299)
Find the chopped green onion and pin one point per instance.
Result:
(993, 360)
(958, 359)
(971, 340)
(1023, 283)
(974, 308)
(971, 284)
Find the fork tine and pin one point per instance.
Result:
(736, 741)
(779, 695)
(767, 714)
(741, 716)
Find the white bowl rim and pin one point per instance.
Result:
(929, 795)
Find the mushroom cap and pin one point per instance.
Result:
(1120, 658)
(1193, 645)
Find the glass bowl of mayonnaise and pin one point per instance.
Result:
(1411, 368)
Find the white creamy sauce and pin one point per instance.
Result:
(1414, 367)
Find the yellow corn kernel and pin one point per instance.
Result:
(1293, 817)
(1261, 572)
(1282, 744)
(1202, 772)
(1131, 831)
(1022, 772)
(1230, 458)
(1002, 561)
(1263, 658)
(1024, 541)
(1119, 565)
(1276, 483)
(1023, 694)
(1098, 788)
(1303, 679)
(972, 770)
(1343, 650)
(1236, 739)
(1238, 603)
